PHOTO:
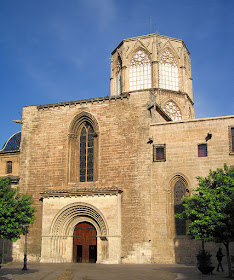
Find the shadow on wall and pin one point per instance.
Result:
(186, 250)
(5, 251)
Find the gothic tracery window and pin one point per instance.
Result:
(140, 71)
(168, 71)
(172, 110)
(86, 153)
(83, 149)
(179, 192)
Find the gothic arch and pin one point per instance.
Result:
(140, 72)
(83, 158)
(135, 50)
(168, 46)
(168, 70)
(138, 46)
(177, 177)
(68, 217)
(79, 119)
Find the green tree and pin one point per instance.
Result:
(15, 211)
(210, 209)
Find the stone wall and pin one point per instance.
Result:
(123, 159)
(182, 140)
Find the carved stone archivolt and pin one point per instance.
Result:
(60, 225)
(82, 118)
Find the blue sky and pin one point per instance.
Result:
(56, 50)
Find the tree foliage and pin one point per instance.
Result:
(15, 211)
(210, 208)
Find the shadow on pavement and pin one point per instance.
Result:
(5, 271)
(192, 272)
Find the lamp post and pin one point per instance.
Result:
(25, 247)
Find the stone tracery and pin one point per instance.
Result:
(172, 110)
(168, 71)
(140, 71)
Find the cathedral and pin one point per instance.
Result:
(108, 174)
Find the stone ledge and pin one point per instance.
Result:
(84, 101)
(81, 192)
(193, 120)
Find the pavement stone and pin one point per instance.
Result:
(77, 271)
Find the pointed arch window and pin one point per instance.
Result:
(168, 71)
(179, 192)
(172, 110)
(231, 137)
(83, 149)
(86, 153)
(118, 78)
(140, 71)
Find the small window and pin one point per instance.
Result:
(159, 152)
(202, 150)
(9, 167)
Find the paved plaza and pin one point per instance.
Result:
(75, 271)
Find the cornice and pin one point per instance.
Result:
(74, 192)
(82, 102)
(147, 36)
(16, 152)
(193, 120)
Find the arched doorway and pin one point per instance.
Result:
(85, 243)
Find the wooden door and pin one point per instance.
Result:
(84, 243)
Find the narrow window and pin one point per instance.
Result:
(232, 139)
(140, 71)
(159, 152)
(168, 71)
(179, 192)
(118, 79)
(9, 167)
(202, 150)
(86, 153)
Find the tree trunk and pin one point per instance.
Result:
(228, 260)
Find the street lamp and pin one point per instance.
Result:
(25, 247)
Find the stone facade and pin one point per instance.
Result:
(143, 148)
